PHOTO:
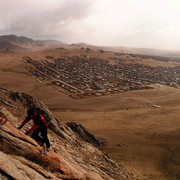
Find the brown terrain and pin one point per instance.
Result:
(140, 128)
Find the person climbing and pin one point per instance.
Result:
(40, 125)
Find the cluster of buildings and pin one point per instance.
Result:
(84, 76)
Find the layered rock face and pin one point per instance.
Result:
(74, 152)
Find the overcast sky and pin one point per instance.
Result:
(132, 23)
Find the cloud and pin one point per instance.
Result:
(41, 18)
(135, 23)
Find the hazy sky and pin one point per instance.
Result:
(132, 23)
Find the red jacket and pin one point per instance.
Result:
(39, 121)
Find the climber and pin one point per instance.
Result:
(40, 126)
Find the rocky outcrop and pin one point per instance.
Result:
(14, 168)
(14, 142)
(85, 134)
(72, 154)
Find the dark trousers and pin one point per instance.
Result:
(44, 138)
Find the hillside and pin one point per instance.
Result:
(21, 43)
(73, 154)
(13, 42)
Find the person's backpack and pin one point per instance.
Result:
(44, 114)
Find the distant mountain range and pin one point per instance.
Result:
(14, 42)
